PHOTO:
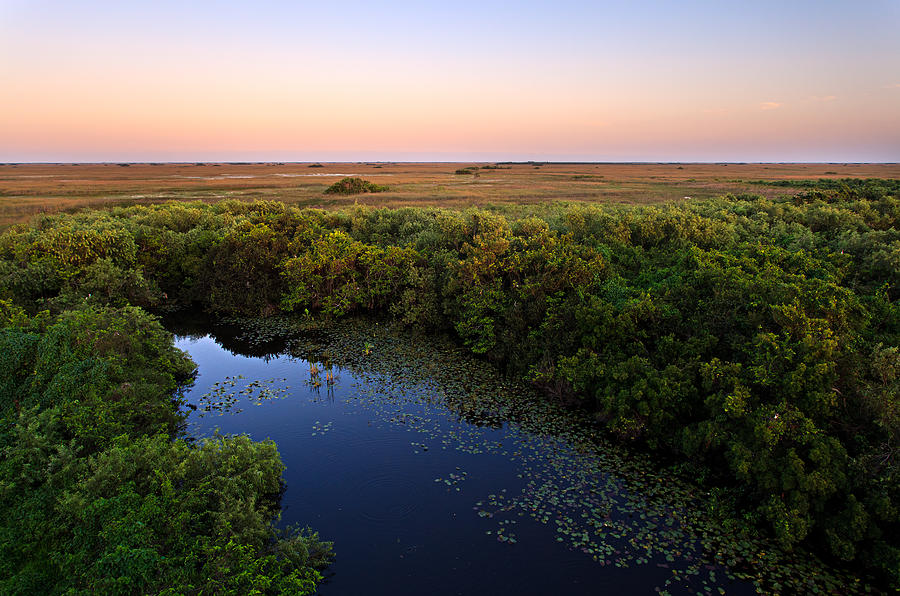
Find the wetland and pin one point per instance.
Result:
(436, 474)
(694, 396)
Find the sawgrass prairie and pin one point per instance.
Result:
(28, 189)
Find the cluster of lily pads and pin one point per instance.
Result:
(616, 506)
(453, 479)
(320, 429)
(502, 533)
(224, 395)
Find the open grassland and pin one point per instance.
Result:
(27, 189)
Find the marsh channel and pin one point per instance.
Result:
(433, 474)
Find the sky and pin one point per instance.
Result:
(678, 80)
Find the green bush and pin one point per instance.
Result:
(353, 186)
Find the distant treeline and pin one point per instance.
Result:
(756, 339)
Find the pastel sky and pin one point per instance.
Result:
(678, 80)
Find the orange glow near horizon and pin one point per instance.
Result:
(97, 93)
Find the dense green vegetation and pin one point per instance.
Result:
(353, 186)
(97, 494)
(756, 340)
(843, 184)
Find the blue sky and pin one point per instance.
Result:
(708, 81)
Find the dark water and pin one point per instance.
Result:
(419, 501)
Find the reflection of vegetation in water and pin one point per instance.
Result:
(616, 507)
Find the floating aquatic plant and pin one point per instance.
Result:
(224, 395)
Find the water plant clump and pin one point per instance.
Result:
(224, 395)
(354, 186)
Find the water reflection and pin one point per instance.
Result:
(433, 475)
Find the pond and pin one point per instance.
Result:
(432, 474)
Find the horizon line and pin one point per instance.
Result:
(382, 162)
